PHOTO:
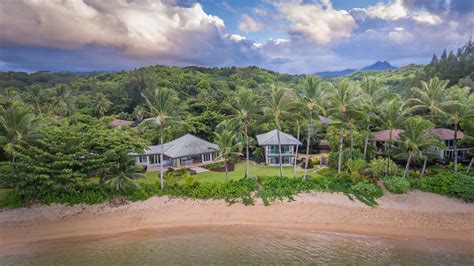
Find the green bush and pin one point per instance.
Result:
(366, 192)
(275, 187)
(397, 184)
(334, 157)
(449, 184)
(379, 167)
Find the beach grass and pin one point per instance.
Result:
(4, 192)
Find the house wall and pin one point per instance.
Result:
(272, 156)
(154, 159)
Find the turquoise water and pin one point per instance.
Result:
(239, 245)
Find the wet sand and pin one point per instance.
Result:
(416, 214)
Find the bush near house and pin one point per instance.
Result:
(453, 185)
(397, 184)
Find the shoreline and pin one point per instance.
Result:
(416, 214)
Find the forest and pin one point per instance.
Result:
(57, 143)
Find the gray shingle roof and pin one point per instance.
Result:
(187, 145)
(271, 138)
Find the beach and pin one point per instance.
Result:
(416, 214)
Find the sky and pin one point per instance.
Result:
(293, 36)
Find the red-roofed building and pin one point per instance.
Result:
(120, 123)
(379, 138)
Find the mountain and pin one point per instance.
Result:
(379, 65)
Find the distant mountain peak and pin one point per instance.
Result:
(377, 66)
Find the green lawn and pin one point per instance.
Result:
(254, 170)
(4, 192)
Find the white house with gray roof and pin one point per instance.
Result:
(269, 141)
(182, 151)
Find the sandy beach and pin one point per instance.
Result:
(416, 214)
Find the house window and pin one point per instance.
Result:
(206, 157)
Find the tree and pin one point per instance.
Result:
(276, 106)
(429, 97)
(374, 94)
(163, 109)
(417, 135)
(228, 144)
(101, 104)
(245, 108)
(392, 116)
(35, 94)
(458, 109)
(122, 175)
(61, 101)
(343, 101)
(310, 98)
(17, 125)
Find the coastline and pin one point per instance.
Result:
(416, 214)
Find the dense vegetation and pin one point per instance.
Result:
(57, 144)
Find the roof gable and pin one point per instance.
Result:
(271, 138)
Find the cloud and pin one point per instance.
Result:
(427, 18)
(391, 11)
(319, 22)
(248, 24)
(400, 35)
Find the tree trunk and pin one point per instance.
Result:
(339, 163)
(407, 166)
(296, 154)
(455, 147)
(161, 156)
(424, 167)
(389, 153)
(280, 157)
(470, 165)
(308, 145)
(366, 143)
(352, 140)
(226, 170)
(246, 150)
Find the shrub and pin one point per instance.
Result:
(379, 167)
(334, 157)
(355, 167)
(397, 184)
(275, 187)
(439, 183)
(366, 192)
(463, 187)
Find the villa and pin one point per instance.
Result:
(184, 151)
(269, 141)
(447, 135)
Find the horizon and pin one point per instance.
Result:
(295, 37)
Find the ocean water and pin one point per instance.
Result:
(232, 245)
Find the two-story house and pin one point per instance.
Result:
(269, 141)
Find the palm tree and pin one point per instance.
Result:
(429, 97)
(458, 109)
(311, 98)
(392, 116)
(163, 109)
(17, 124)
(245, 108)
(228, 144)
(416, 137)
(35, 95)
(123, 175)
(277, 106)
(61, 101)
(101, 104)
(374, 94)
(343, 101)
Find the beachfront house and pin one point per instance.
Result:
(269, 142)
(187, 150)
(379, 139)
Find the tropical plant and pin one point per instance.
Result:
(228, 144)
(123, 175)
(62, 103)
(429, 97)
(311, 97)
(355, 167)
(458, 109)
(36, 95)
(163, 109)
(417, 135)
(245, 109)
(343, 101)
(101, 104)
(397, 184)
(276, 106)
(392, 116)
